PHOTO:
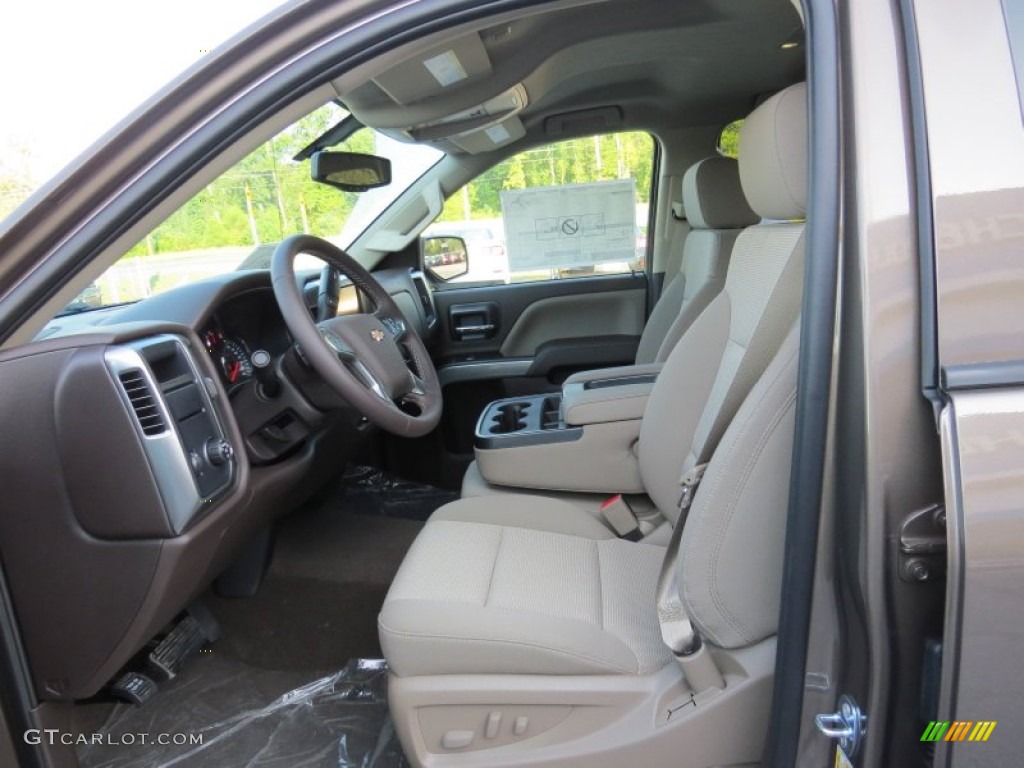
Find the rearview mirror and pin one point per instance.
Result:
(445, 257)
(350, 171)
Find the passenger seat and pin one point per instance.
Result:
(717, 210)
(519, 630)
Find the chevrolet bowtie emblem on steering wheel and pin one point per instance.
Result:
(377, 334)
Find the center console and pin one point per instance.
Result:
(582, 439)
(523, 421)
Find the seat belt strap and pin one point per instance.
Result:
(677, 631)
(688, 489)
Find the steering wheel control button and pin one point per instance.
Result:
(335, 343)
(395, 326)
(218, 451)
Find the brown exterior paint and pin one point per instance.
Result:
(976, 145)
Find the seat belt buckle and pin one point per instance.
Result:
(621, 517)
(689, 482)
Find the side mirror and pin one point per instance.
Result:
(445, 257)
(350, 171)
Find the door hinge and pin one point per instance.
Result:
(848, 725)
(923, 544)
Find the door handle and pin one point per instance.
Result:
(473, 322)
(463, 330)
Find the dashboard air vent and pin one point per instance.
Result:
(142, 401)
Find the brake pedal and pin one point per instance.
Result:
(198, 628)
(133, 687)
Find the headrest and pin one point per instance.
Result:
(713, 197)
(773, 155)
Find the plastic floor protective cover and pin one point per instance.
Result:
(340, 720)
(269, 692)
(370, 491)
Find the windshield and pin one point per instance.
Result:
(236, 220)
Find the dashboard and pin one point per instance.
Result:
(148, 456)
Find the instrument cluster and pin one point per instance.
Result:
(230, 355)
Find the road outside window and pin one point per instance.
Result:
(238, 219)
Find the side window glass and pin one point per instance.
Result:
(571, 209)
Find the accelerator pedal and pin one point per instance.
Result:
(197, 629)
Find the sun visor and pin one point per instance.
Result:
(409, 220)
(438, 70)
(492, 137)
(491, 113)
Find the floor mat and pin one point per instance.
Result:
(301, 623)
(257, 719)
(319, 602)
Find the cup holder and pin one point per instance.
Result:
(517, 422)
(510, 417)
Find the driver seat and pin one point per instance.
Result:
(520, 630)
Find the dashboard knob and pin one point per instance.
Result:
(218, 451)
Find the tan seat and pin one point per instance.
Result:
(718, 211)
(588, 591)
(519, 630)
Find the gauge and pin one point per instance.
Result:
(234, 361)
(212, 340)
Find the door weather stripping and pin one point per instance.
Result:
(848, 725)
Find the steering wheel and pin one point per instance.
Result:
(373, 360)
